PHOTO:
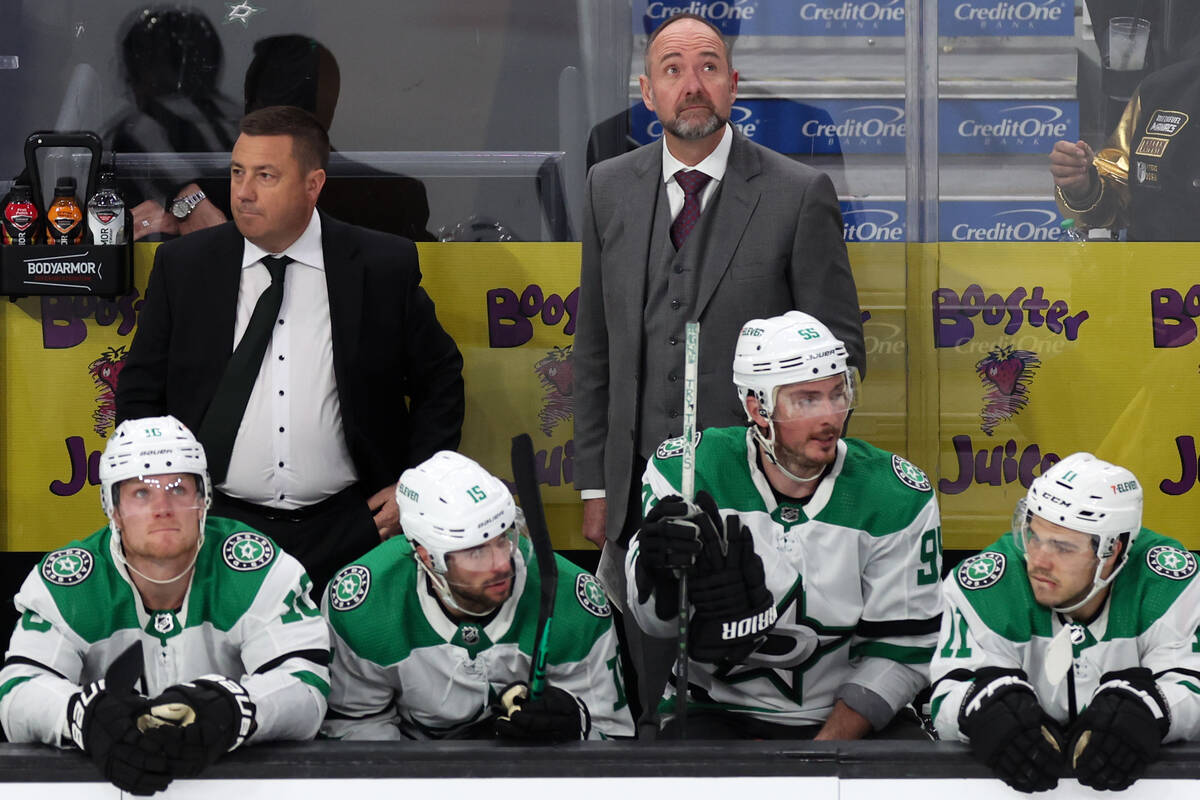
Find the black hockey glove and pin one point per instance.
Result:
(557, 716)
(196, 722)
(669, 540)
(1120, 731)
(103, 723)
(733, 609)
(1010, 732)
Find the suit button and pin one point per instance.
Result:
(678, 268)
(672, 377)
(672, 341)
(675, 304)
(674, 415)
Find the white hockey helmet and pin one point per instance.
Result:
(785, 350)
(140, 448)
(1090, 496)
(450, 503)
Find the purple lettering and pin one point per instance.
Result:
(1188, 466)
(997, 466)
(1172, 326)
(76, 453)
(951, 328)
(531, 300)
(553, 310)
(1035, 305)
(61, 328)
(1013, 304)
(507, 326)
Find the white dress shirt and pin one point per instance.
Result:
(290, 449)
(713, 166)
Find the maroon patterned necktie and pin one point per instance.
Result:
(692, 182)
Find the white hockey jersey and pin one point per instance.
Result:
(402, 669)
(855, 573)
(1150, 619)
(247, 615)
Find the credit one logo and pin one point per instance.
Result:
(998, 126)
(1006, 18)
(756, 18)
(880, 221)
(786, 126)
(991, 221)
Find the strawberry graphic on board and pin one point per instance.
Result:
(1005, 374)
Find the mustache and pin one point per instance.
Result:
(695, 100)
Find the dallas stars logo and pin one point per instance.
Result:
(349, 588)
(247, 551)
(591, 596)
(67, 567)
(910, 475)
(241, 12)
(673, 448)
(980, 571)
(1171, 562)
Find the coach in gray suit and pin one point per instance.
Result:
(754, 234)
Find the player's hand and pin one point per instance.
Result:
(1071, 166)
(103, 723)
(668, 542)
(386, 511)
(196, 722)
(557, 716)
(1120, 731)
(1009, 731)
(733, 608)
(149, 217)
(595, 519)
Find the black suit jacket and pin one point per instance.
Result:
(388, 346)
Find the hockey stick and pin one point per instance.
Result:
(525, 475)
(688, 491)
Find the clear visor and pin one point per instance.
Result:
(1062, 544)
(486, 556)
(156, 494)
(832, 396)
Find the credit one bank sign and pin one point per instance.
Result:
(776, 18)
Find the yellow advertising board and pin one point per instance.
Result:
(985, 363)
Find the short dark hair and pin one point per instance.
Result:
(687, 15)
(310, 141)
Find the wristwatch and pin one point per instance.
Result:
(180, 207)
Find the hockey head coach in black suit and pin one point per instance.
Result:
(302, 350)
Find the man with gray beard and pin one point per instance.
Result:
(707, 226)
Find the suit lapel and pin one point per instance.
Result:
(344, 278)
(628, 289)
(734, 203)
(224, 286)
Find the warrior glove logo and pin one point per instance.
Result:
(749, 626)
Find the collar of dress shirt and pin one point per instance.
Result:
(713, 165)
(305, 250)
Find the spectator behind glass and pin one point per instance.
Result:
(1146, 178)
(171, 59)
(299, 71)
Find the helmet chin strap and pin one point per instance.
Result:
(119, 555)
(442, 586)
(1098, 585)
(768, 446)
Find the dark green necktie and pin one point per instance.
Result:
(219, 429)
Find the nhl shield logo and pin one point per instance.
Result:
(591, 596)
(1171, 562)
(68, 567)
(789, 514)
(247, 551)
(470, 634)
(349, 587)
(980, 571)
(164, 622)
